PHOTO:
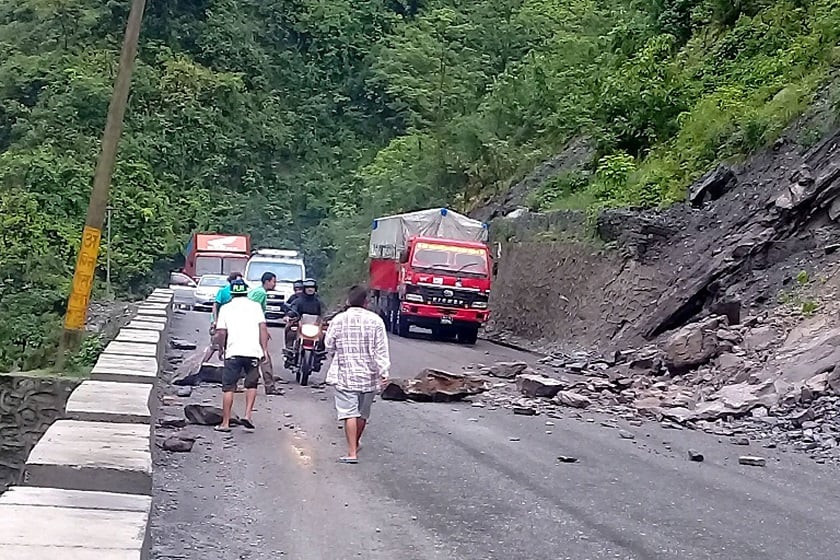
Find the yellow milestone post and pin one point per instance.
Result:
(77, 304)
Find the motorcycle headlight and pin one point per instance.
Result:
(310, 331)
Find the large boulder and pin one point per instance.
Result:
(535, 385)
(693, 345)
(432, 385)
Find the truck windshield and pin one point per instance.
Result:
(285, 271)
(450, 259)
(219, 265)
(208, 265)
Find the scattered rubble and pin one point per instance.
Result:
(773, 379)
(525, 411)
(179, 344)
(506, 370)
(184, 391)
(172, 422)
(695, 456)
(178, 444)
(567, 459)
(205, 415)
(752, 461)
(535, 385)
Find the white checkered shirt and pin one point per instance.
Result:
(359, 342)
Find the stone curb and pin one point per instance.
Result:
(94, 469)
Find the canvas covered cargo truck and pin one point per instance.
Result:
(431, 269)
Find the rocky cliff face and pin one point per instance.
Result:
(28, 405)
(718, 314)
(738, 245)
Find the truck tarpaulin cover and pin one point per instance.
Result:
(390, 234)
(222, 243)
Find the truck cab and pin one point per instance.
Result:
(287, 265)
(431, 269)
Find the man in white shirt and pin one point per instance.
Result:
(360, 367)
(242, 335)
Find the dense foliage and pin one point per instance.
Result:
(299, 120)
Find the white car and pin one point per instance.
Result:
(183, 289)
(205, 293)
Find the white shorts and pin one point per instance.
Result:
(353, 404)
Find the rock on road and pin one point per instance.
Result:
(459, 482)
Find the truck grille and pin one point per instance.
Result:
(449, 297)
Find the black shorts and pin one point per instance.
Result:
(238, 367)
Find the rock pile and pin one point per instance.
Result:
(775, 378)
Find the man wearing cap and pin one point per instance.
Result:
(242, 334)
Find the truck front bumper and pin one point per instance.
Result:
(429, 316)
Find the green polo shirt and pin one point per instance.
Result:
(260, 296)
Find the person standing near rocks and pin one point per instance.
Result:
(242, 334)
(360, 368)
(223, 296)
(260, 295)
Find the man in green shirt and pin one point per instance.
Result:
(260, 295)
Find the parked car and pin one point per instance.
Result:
(205, 293)
(183, 288)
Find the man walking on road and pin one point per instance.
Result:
(242, 335)
(260, 295)
(360, 368)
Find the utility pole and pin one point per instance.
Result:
(77, 304)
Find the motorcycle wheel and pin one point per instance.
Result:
(306, 367)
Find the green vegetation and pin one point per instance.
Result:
(299, 121)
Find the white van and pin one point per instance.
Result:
(287, 265)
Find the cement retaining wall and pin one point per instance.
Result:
(87, 451)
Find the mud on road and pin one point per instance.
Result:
(459, 481)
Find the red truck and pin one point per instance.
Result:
(431, 269)
(216, 253)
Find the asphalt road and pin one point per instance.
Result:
(459, 482)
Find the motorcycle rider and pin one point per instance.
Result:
(307, 303)
(298, 287)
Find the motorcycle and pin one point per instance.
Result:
(307, 353)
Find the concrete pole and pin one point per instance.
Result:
(77, 304)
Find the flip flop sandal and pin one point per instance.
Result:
(248, 424)
(221, 429)
(348, 461)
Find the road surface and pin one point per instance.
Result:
(458, 482)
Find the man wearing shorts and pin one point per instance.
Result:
(243, 335)
(361, 363)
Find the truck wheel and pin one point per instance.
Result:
(403, 328)
(468, 335)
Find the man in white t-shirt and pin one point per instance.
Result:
(242, 335)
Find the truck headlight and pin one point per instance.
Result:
(417, 298)
(479, 305)
(310, 330)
